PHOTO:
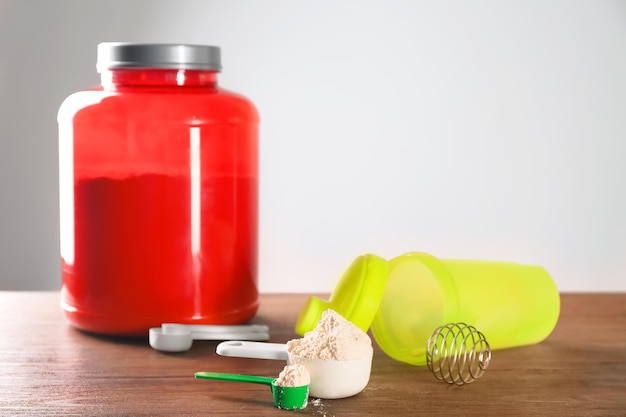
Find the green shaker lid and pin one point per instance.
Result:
(356, 297)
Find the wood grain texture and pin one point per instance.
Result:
(50, 369)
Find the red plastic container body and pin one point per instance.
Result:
(159, 202)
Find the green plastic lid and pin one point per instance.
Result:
(356, 297)
(401, 301)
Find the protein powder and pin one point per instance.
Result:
(293, 376)
(334, 338)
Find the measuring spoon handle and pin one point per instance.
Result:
(253, 379)
(256, 350)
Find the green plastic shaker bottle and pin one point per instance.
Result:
(405, 299)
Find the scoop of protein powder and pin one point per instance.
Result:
(337, 354)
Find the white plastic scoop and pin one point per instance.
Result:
(173, 337)
(330, 379)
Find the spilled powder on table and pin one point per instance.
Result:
(293, 376)
(320, 408)
(333, 338)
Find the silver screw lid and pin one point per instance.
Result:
(157, 55)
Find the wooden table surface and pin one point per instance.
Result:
(48, 368)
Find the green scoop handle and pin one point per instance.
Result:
(235, 377)
(287, 398)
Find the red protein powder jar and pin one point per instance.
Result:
(158, 193)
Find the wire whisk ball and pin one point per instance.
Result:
(457, 353)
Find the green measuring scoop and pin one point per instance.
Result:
(286, 398)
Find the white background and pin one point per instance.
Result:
(467, 129)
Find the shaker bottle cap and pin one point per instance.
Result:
(356, 297)
(158, 55)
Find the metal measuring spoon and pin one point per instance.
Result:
(286, 398)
